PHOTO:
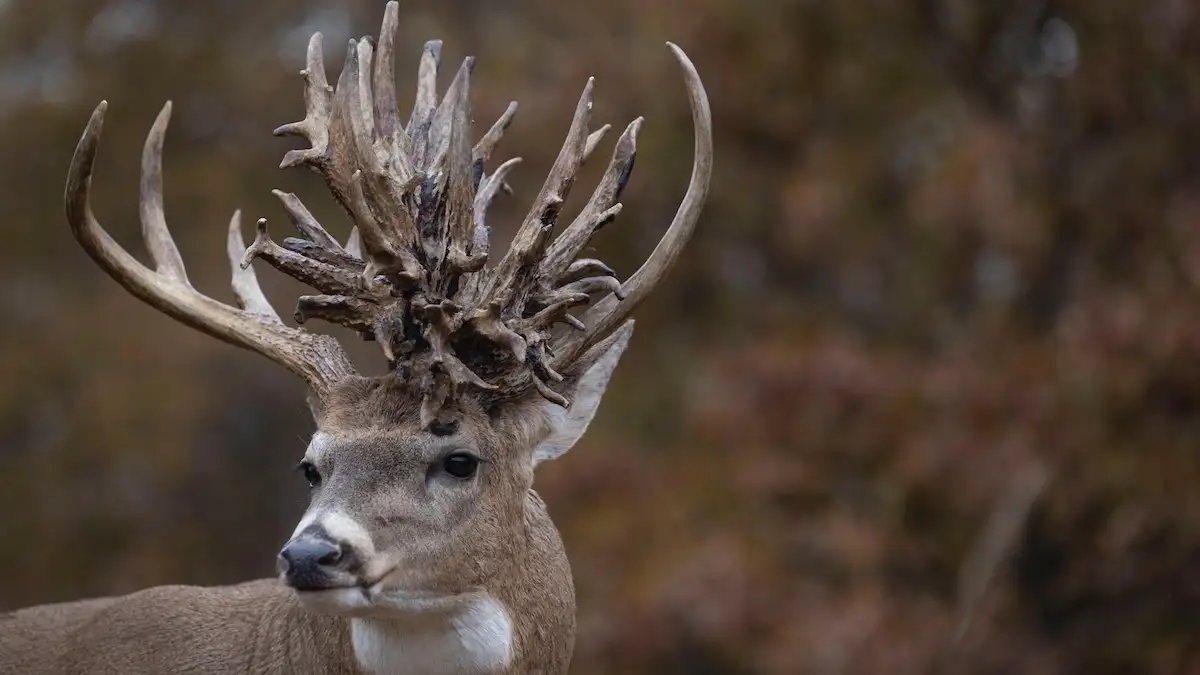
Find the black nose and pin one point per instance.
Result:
(309, 562)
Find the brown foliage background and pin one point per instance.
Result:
(951, 252)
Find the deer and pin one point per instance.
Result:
(424, 547)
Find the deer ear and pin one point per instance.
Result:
(585, 387)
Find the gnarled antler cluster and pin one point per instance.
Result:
(413, 275)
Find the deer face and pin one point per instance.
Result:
(405, 517)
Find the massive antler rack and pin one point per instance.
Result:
(413, 274)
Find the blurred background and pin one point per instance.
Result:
(921, 396)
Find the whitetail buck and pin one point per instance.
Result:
(425, 548)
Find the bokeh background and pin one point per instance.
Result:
(923, 395)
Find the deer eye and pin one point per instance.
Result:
(460, 465)
(310, 473)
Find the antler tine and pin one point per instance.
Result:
(340, 309)
(314, 272)
(369, 190)
(305, 223)
(318, 359)
(394, 147)
(583, 268)
(601, 208)
(245, 282)
(382, 257)
(462, 254)
(593, 140)
(443, 118)
(426, 102)
(469, 284)
(354, 245)
(318, 104)
(445, 183)
(359, 104)
(488, 187)
(504, 283)
(325, 125)
(609, 312)
(488, 142)
(162, 247)
(387, 113)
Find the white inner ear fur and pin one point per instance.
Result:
(568, 425)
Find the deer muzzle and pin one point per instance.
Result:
(314, 561)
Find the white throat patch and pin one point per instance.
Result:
(471, 639)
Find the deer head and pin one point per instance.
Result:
(421, 478)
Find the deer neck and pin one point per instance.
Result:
(523, 621)
(466, 635)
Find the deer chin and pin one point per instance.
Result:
(390, 594)
(381, 602)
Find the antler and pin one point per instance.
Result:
(412, 275)
(318, 359)
(612, 310)
(418, 195)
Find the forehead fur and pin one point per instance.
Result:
(372, 402)
(391, 403)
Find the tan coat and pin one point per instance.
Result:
(260, 627)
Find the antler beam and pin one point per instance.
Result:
(318, 359)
